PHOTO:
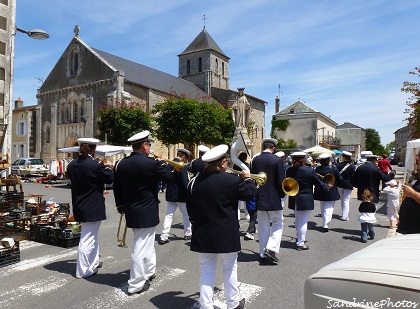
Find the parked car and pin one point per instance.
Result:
(392, 159)
(382, 275)
(29, 166)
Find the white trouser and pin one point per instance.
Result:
(208, 266)
(170, 211)
(143, 258)
(345, 202)
(327, 209)
(301, 223)
(270, 239)
(241, 203)
(283, 201)
(88, 251)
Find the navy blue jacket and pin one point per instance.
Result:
(87, 178)
(196, 166)
(368, 176)
(212, 206)
(347, 175)
(307, 179)
(332, 194)
(135, 187)
(177, 189)
(269, 194)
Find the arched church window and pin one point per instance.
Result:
(47, 134)
(74, 61)
(188, 67)
(223, 69)
(200, 64)
(62, 113)
(76, 112)
(217, 66)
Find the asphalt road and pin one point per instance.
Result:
(45, 276)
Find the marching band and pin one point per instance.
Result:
(207, 192)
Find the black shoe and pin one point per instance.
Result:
(163, 241)
(325, 230)
(266, 261)
(301, 248)
(271, 255)
(187, 237)
(152, 277)
(100, 264)
(146, 286)
(241, 304)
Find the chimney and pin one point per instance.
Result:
(277, 104)
(19, 103)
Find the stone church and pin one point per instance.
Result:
(85, 78)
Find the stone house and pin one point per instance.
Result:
(402, 136)
(85, 78)
(353, 138)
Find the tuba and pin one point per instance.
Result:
(237, 147)
(290, 186)
(329, 179)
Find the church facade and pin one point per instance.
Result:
(85, 78)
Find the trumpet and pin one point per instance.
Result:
(290, 186)
(259, 178)
(178, 166)
(329, 179)
(121, 241)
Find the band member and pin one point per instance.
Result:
(198, 164)
(327, 198)
(175, 197)
(303, 202)
(212, 201)
(269, 207)
(135, 192)
(88, 178)
(346, 169)
(368, 176)
(410, 206)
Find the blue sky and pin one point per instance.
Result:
(345, 59)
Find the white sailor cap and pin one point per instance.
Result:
(298, 154)
(215, 153)
(279, 154)
(348, 154)
(392, 182)
(140, 137)
(324, 155)
(202, 148)
(184, 151)
(88, 140)
(271, 140)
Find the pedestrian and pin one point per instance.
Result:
(327, 198)
(269, 207)
(367, 217)
(88, 178)
(303, 201)
(212, 203)
(198, 164)
(345, 187)
(393, 202)
(136, 195)
(385, 166)
(368, 176)
(176, 192)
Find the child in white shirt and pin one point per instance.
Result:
(393, 201)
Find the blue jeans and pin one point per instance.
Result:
(367, 229)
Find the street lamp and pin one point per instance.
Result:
(37, 34)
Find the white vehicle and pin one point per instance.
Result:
(364, 154)
(382, 275)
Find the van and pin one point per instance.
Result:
(364, 154)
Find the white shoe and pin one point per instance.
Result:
(249, 236)
(247, 217)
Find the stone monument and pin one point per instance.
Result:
(241, 111)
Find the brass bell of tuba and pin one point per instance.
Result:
(329, 179)
(290, 186)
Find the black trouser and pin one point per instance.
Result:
(252, 221)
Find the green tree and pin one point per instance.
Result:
(289, 144)
(121, 121)
(413, 103)
(390, 147)
(373, 142)
(190, 122)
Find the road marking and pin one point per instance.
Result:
(26, 244)
(247, 291)
(118, 296)
(37, 288)
(40, 261)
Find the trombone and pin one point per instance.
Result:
(259, 178)
(121, 241)
(329, 179)
(178, 166)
